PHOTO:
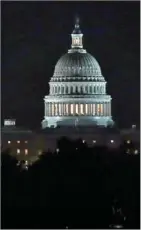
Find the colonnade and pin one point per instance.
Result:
(73, 109)
(88, 89)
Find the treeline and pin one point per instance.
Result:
(73, 186)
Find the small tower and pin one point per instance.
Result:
(77, 35)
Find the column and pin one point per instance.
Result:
(89, 109)
(106, 108)
(57, 109)
(69, 109)
(96, 109)
(52, 112)
(51, 109)
(103, 108)
(63, 112)
(92, 109)
(46, 109)
(109, 108)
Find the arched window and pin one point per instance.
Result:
(71, 90)
(58, 89)
(101, 90)
(61, 89)
(90, 89)
(76, 90)
(66, 89)
(81, 90)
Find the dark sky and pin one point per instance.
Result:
(36, 34)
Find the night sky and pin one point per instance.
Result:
(36, 34)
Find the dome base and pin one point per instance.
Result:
(77, 121)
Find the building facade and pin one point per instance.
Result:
(77, 93)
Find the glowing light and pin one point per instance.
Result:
(128, 142)
(98, 109)
(71, 108)
(18, 164)
(26, 142)
(9, 122)
(83, 141)
(101, 109)
(94, 141)
(26, 163)
(57, 150)
(52, 107)
(26, 151)
(9, 142)
(116, 226)
(133, 126)
(86, 108)
(18, 142)
(81, 109)
(128, 151)
(136, 151)
(56, 109)
(59, 109)
(18, 151)
(76, 108)
(39, 152)
(93, 109)
(67, 108)
(112, 141)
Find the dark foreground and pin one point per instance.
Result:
(73, 189)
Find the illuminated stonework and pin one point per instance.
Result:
(77, 89)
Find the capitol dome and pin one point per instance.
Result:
(77, 89)
(80, 63)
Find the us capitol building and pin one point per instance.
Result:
(77, 107)
(77, 93)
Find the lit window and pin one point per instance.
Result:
(18, 142)
(81, 109)
(67, 108)
(86, 108)
(52, 106)
(112, 141)
(98, 109)
(26, 151)
(9, 142)
(55, 109)
(26, 142)
(76, 109)
(128, 142)
(26, 162)
(94, 141)
(71, 108)
(101, 109)
(39, 152)
(136, 151)
(59, 109)
(93, 109)
(18, 151)
(128, 151)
